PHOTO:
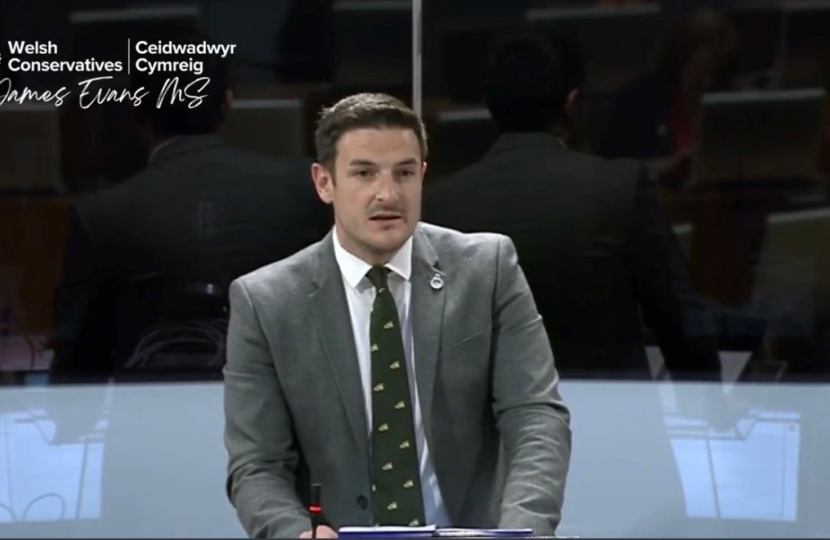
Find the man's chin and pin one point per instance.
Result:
(389, 240)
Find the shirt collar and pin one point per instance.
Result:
(521, 140)
(159, 146)
(354, 269)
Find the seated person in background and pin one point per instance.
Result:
(393, 362)
(573, 76)
(200, 210)
(654, 118)
(591, 234)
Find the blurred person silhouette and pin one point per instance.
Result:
(274, 41)
(595, 244)
(600, 257)
(654, 117)
(200, 211)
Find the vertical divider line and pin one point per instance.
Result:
(417, 53)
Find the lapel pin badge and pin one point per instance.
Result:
(436, 282)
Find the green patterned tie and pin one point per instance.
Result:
(396, 481)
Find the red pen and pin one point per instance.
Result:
(314, 508)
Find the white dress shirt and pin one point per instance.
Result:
(360, 295)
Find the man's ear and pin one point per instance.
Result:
(323, 182)
(573, 97)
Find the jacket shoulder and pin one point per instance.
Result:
(561, 173)
(456, 244)
(281, 279)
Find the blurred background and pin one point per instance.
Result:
(120, 231)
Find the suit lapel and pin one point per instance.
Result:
(428, 295)
(333, 322)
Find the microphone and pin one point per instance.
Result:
(314, 508)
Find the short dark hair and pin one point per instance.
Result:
(169, 120)
(525, 89)
(360, 111)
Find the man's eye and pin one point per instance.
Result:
(362, 173)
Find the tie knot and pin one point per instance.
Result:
(377, 275)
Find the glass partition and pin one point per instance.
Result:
(724, 104)
(147, 461)
(673, 234)
(101, 219)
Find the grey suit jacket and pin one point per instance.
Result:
(293, 399)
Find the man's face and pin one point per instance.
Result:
(375, 189)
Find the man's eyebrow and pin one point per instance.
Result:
(362, 163)
(370, 163)
(407, 162)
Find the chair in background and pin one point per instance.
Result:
(172, 323)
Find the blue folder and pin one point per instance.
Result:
(484, 533)
(430, 532)
(387, 532)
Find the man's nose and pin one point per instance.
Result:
(387, 187)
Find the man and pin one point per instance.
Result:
(390, 361)
(200, 211)
(590, 234)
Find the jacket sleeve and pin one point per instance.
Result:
(533, 420)
(259, 435)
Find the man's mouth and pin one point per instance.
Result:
(385, 217)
